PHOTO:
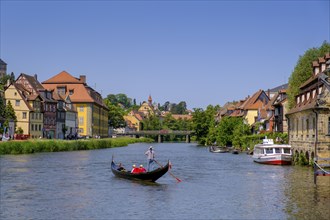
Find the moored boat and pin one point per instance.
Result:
(151, 176)
(270, 153)
(215, 149)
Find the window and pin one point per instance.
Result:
(61, 90)
(269, 150)
(71, 92)
(17, 103)
(277, 150)
(24, 115)
(307, 126)
(81, 108)
(32, 127)
(286, 150)
(297, 125)
(329, 125)
(81, 120)
(39, 127)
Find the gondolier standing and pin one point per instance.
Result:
(151, 156)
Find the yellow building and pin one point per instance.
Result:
(147, 108)
(133, 120)
(92, 112)
(27, 108)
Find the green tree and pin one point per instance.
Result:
(120, 99)
(304, 70)
(115, 114)
(203, 121)
(180, 108)
(230, 128)
(152, 123)
(241, 130)
(9, 114)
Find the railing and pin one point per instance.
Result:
(158, 132)
(320, 168)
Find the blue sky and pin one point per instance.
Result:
(201, 52)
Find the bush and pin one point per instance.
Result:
(36, 146)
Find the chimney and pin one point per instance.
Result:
(82, 78)
(36, 76)
(268, 93)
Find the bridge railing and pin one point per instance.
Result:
(159, 132)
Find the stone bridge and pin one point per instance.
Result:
(160, 133)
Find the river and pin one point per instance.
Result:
(80, 185)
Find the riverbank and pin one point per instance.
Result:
(45, 145)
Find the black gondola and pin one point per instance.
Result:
(151, 176)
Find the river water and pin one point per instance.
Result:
(80, 185)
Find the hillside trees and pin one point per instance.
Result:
(304, 70)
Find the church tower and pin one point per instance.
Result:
(3, 68)
(150, 100)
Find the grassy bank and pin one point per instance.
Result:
(37, 145)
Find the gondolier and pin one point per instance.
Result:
(151, 157)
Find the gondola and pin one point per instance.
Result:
(151, 176)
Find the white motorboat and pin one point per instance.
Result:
(270, 153)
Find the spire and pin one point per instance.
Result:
(150, 100)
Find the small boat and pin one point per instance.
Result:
(151, 176)
(235, 151)
(215, 149)
(270, 153)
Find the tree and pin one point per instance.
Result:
(120, 99)
(9, 114)
(230, 128)
(203, 121)
(304, 70)
(115, 115)
(152, 123)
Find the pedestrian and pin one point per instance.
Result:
(151, 157)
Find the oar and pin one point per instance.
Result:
(169, 172)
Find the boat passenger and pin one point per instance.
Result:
(134, 169)
(142, 169)
(120, 167)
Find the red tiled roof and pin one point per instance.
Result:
(63, 77)
(254, 103)
(184, 117)
(81, 92)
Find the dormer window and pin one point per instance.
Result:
(316, 70)
(71, 92)
(322, 67)
(302, 98)
(313, 93)
(298, 100)
(308, 95)
(61, 90)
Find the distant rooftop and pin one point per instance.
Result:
(278, 88)
(2, 62)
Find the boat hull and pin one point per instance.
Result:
(214, 149)
(273, 159)
(146, 176)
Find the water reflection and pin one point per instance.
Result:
(306, 200)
